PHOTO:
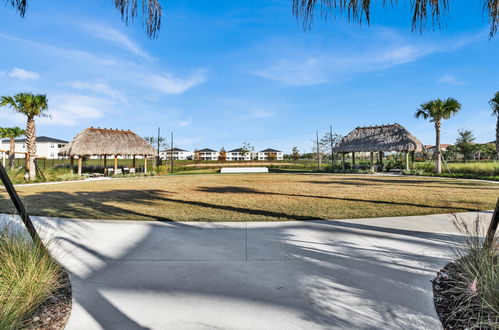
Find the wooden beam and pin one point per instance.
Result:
(79, 164)
(105, 161)
(494, 222)
(353, 159)
(343, 161)
(115, 163)
(133, 165)
(145, 164)
(72, 164)
(407, 166)
(372, 160)
(19, 206)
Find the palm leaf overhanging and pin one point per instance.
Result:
(425, 12)
(129, 9)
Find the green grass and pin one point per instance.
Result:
(470, 170)
(28, 276)
(255, 197)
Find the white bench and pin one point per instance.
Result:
(244, 170)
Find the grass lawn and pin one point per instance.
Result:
(255, 197)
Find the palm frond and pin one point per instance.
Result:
(150, 11)
(425, 12)
(494, 104)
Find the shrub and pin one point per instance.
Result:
(471, 283)
(28, 276)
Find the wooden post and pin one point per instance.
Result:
(133, 163)
(372, 161)
(492, 227)
(79, 165)
(3, 159)
(343, 161)
(72, 164)
(115, 163)
(145, 163)
(353, 159)
(407, 167)
(105, 161)
(19, 206)
(381, 160)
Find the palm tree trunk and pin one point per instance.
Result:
(31, 146)
(497, 136)
(438, 160)
(12, 152)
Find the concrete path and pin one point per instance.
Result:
(366, 273)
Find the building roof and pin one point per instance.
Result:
(379, 138)
(102, 142)
(442, 146)
(238, 150)
(270, 150)
(39, 139)
(174, 149)
(207, 150)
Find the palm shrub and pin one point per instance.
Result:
(28, 276)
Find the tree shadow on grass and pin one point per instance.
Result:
(243, 190)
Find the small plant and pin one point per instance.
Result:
(28, 276)
(69, 177)
(467, 290)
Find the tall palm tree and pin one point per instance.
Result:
(424, 12)
(31, 106)
(12, 133)
(438, 110)
(494, 104)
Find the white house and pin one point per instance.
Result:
(178, 154)
(270, 154)
(46, 147)
(206, 154)
(238, 155)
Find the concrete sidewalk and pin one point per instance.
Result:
(365, 273)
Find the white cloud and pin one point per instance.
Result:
(259, 113)
(315, 64)
(450, 79)
(110, 34)
(184, 123)
(23, 74)
(98, 87)
(167, 83)
(71, 109)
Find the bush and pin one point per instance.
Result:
(28, 276)
(469, 287)
(69, 177)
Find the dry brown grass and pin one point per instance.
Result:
(256, 197)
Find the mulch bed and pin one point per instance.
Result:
(53, 314)
(449, 289)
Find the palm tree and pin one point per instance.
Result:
(494, 104)
(438, 110)
(359, 10)
(12, 133)
(32, 106)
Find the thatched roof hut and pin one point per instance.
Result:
(107, 142)
(379, 138)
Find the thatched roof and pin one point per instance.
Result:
(379, 138)
(106, 142)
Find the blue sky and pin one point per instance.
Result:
(224, 72)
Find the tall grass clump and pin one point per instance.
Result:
(471, 282)
(28, 277)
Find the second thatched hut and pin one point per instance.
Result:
(107, 142)
(379, 139)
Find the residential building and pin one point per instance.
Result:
(178, 154)
(46, 147)
(206, 154)
(270, 154)
(238, 155)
